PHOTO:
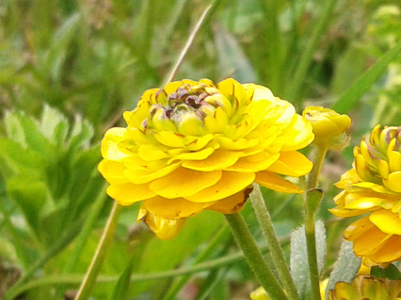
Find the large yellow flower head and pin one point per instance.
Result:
(192, 146)
(374, 185)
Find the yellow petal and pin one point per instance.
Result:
(258, 92)
(136, 117)
(196, 155)
(233, 91)
(393, 182)
(358, 228)
(137, 136)
(184, 182)
(233, 203)
(372, 186)
(191, 125)
(150, 152)
(386, 221)
(368, 243)
(113, 171)
(147, 175)
(176, 140)
(110, 142)
(394, 161)
(344, 213)
(230, 183)
(164, 228)
(128, 193)
(226, 143)
(218, 100)
(218, 122)
(254, 163)
(389, 251)
(291, 163)
(172, 87)
(219, 160)
(368, 202)
(299, 134)
(276, 183)
(178, 208)
(161, 122)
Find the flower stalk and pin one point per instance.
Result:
(311, 208)
(276, 252)
(254, 257)
(100, 255)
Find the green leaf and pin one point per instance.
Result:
(231, 59)
(299, 257)
(53, 125)
(346, 267)
(365, 82)
(14, 128)
(81, 133)
(61, 40)
(391, 272)
(350, 66)
(31, 195)
(24, 130)
(120, 291)
(14, 159)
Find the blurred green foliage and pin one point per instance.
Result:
(69, 68)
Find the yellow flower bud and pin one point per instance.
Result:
(259, 294)
(366, 287)
(330, 128)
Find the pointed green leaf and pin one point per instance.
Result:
(365, 82)
(120, 291)
(231, 58)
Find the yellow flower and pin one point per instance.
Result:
(367, 288)
(259, 294)
(193, 146)
(373, 186)
(330, 128)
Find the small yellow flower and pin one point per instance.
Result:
(330, 128)
(367, 288)
(192, 146)
(373, 186)
(259, 294)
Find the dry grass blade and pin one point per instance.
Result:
(184, 51)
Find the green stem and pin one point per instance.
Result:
(317, 167)
(310, 221)
(311, 245)
(100, 255)
(254, 257)
(276, 252)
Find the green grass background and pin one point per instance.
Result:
(69, 68)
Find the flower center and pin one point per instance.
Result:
(187, 102)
